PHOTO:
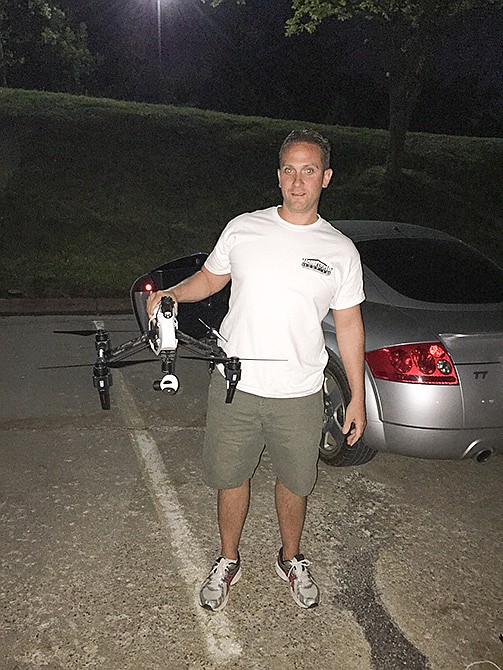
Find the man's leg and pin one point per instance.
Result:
(291, 565)
(232, 508)
(291, 511)
(232, 447)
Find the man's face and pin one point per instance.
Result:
(301, 179)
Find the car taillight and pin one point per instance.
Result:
(424, 363)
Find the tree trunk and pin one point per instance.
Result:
(398, 124)
(3, 70)
(409, 50)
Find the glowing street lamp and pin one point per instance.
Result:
(159, 52)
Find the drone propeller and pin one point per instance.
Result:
(213, 331)
(226, 359)
(87, 333)
(113, 364)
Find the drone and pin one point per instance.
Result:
(163, 338)
(161, 332)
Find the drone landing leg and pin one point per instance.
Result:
(102, 378)
(232, 375)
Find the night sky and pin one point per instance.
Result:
(237, 59)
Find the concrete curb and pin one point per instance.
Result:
(49, 306)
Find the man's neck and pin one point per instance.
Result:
(297, 218)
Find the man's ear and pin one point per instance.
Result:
(327, 176)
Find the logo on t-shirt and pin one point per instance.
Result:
(317, 265)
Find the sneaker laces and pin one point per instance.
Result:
(219, 572)
(300, 570)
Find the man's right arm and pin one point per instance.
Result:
(196, 287)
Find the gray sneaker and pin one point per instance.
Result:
(303, 588)
(214, 592)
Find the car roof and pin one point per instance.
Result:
(367, 229)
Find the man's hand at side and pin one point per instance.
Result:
(351, 341)
(355, 422)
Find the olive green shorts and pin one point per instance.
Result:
(236, 434)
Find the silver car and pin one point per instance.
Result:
(434, 348)
(434, 344)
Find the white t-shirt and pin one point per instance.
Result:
(285, 278)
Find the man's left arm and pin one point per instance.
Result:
(351, 342)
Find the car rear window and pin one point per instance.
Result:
(442, 271)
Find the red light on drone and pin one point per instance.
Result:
(148, 287)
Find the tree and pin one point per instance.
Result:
(410, 30)
(40, 48)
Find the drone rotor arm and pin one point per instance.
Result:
(128, 348)
(208, 350)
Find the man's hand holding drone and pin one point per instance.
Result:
(155, 298)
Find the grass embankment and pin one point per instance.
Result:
(95, 192)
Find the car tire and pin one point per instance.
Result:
(334, 449)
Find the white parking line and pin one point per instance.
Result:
(221, 640)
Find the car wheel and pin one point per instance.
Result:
(334, 449)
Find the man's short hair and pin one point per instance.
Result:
(310, 137)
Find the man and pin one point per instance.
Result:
(288, 267)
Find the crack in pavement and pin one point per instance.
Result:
(362, 535)
(390, 649)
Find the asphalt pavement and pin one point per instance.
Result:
(107, 531)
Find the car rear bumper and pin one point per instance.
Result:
(434, 443)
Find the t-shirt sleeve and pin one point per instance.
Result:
(218, 262)
(349, 290)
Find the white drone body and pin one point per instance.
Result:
(164, 325)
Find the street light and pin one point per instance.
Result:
(159, 51)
